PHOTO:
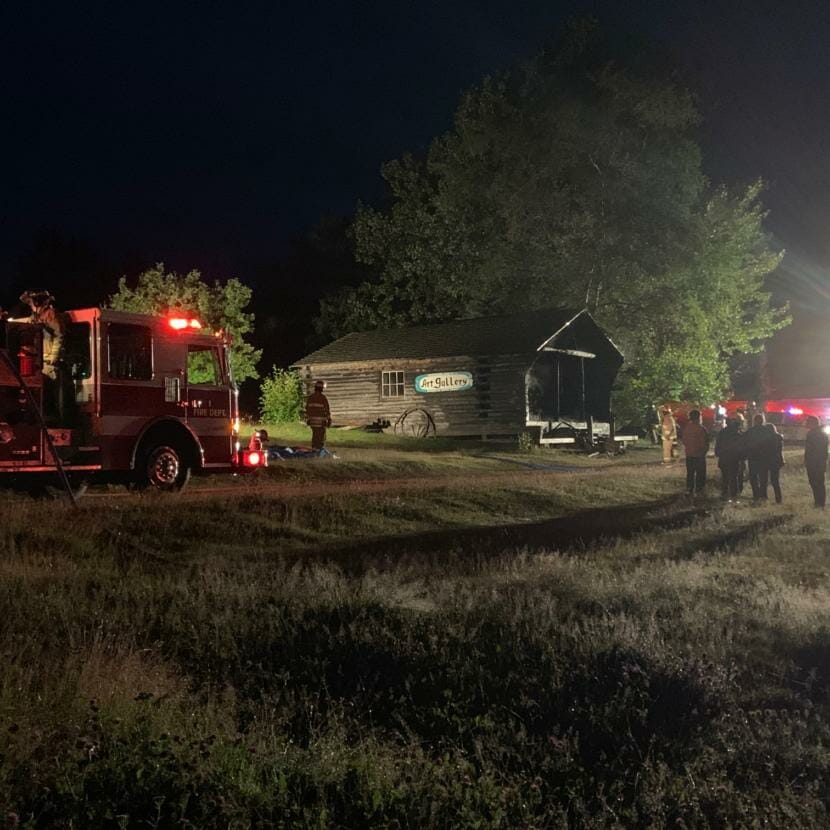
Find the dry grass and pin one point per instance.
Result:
(267, 661)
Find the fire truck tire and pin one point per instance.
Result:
(164, 468)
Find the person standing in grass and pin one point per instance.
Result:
(776, 461)
(815, 459)
(318, 415)
(742, 471)
(696, 445)
(761, 451)
(668, 433)
(728, 449)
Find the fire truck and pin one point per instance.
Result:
(138, 399)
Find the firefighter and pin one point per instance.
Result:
(54, 325)
(652, 424)
(668, 433)
(318, 415)
(44, 312)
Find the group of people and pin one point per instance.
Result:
(756, 453)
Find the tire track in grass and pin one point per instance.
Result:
(729, 540)
(575, 531)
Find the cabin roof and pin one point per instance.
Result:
(522, 333)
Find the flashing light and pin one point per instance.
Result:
(254, 458)
(181, 323)
(795, 410)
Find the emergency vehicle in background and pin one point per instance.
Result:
(140, 399)
(788, 415)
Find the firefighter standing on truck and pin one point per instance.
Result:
(54, 325)
(318, 415)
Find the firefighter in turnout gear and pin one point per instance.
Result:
(318, 415)
(54, 325)
(668, 434)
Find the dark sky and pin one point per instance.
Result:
(205, 134)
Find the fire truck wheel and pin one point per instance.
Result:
(165, 469)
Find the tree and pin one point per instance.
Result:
(281, 398)
(574, 180)
(218, 306)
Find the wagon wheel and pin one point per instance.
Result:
(415, 423)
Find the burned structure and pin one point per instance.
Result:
(548, 372)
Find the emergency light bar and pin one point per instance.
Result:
(181, 323)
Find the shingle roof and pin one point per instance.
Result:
(512, 334)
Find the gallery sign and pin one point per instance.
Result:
(444, 382)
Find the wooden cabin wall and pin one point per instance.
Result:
(494, 406)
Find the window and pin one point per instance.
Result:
(391, 384)
(130, 352)
(203, 367)
(76, 351)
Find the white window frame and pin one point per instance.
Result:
(392, 387)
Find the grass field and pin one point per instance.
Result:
(587, 649)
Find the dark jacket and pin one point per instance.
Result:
(317, 413)
(815, 450)
(777, 461)
(729, 445)
(761, 446)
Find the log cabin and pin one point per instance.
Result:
(547, 373)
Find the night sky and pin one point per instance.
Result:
(207, 134)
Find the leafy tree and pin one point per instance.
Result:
(218, 306)
(574, 181)
(281, 398)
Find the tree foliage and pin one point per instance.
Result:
(281, 398)
(573, 181)
(219, 307)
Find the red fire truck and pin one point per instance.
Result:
(140, 399)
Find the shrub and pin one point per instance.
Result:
(525, 443)
(281, 397)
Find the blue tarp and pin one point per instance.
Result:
(286, 453)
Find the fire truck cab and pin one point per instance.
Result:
(138, 398)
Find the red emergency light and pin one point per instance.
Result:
(181, 323)
(254, 458)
